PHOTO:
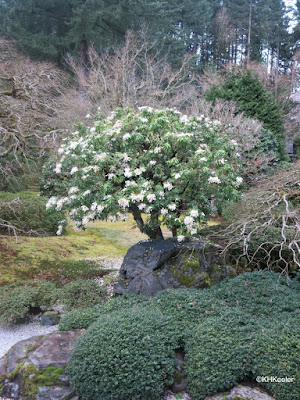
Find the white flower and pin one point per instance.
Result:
(58, 168)
(73, 170)
(188, 220)
(139, 171)
(184, 119)
(100, 157)
(214, 179)
(194, 213)
(151, 197)
(145, 120)
(238, 155)
(239, 180)
(145, 108)
(60, 150)
(86, 193)
(168, 186)
(137, 197)
(162, 194)
(203, 159)
(148, 210)
(164, 211)
(111, 176)
(84, 208)
(141, 206)
(130, 183)
(51, 202)
(94, 206)
(221, 161)
(193, 231)
(180, 238)
(93, 130)
(77, 228)
(100, 209)
(127, 173)
(85, 220)
(123, 203)
(87, 116)
(172, 207)
(126, 136)
(59, 230)
(177, 176)
(146, 185)
(61, 202)
(234, 142)
(203, 146)
(157, 150)
(153, 162)
(73, 189)
(126, 158)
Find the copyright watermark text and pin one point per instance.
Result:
(276, 379)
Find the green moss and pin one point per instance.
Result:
(11, 375)
(32, 378)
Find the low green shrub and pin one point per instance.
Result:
(238, 329)
(16, 301)
(28, 213)
(79, 319)
(81, 293)
(125, 355)
(219, 353)
(83, 318)
(260, 294)
(276, 353)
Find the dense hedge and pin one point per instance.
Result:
(125, 355)
(29, 213)
(238, 329)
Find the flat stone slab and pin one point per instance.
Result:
(55, 350)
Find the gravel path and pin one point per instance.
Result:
(11, 335)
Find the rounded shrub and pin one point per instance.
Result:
(17, 301)
(125, 355)
(27, 212)
(81, 293)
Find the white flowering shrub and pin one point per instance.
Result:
(159, 165)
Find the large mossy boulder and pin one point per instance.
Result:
(153, 265)
(35, 368)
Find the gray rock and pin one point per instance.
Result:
(50, 318)
(54, 393)
(55, 350)
(154, 265)
(146, 283)
(146, 255)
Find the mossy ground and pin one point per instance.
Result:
(25, 257)
(35, 257)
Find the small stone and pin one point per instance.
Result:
(50, 318)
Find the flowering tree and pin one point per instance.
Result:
(159, 165)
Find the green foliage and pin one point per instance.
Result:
(125, 355)
(81, 293)
(238, 329)
(17, 301)
(83, 318)
(256, 102)
(159, 165)
(28, 213)
(277, 353)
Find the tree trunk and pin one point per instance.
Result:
(249, 33)
(277, 68)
